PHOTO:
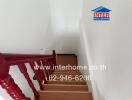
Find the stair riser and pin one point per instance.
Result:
(66, 87)
(65, 96)
(66, 82)
(67, 73)
(67, 70)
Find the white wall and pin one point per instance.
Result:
(28, 26)
(82, 54)
(109, 43)
(65, 15)
(23, 25)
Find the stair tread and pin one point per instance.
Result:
(64, 85)
(70, 72)
(50, 91)
(67, 73)
(67, 81)
(65, 95)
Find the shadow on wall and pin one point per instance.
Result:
(96, 92)
(61, 42)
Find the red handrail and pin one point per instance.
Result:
(7, 82)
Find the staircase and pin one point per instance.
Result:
(66, 84)
(61, 83)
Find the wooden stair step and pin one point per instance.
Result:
(68, 82)
(63, 59)
(63, 87)
(65, 95)
(68, 73)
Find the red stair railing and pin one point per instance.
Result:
(7, 82)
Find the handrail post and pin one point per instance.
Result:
(54, 60)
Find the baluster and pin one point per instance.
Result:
(12, 88)
(43, 63)
(54, 58)
(41, 73)
(23, 70)
(52, 64)
(46, 67)
(48, 63)
(36, 75)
